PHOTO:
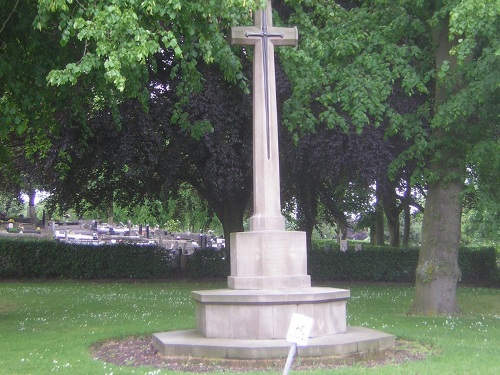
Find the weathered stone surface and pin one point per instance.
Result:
(268, 260)
(191, 344)
(266, 314)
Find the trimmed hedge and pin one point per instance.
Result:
(209, 263)
(23, 259)
(382, 265)
(376, 263)
(52, 259)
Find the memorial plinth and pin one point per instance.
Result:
(266, 314)
(268, 260)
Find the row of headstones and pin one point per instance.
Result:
(343, 246)
(186, 243)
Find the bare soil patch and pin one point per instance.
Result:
(139, 351)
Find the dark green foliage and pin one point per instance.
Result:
(209, 263)
(50, 259)
(478, 265)
(379, 263)
(383, 264)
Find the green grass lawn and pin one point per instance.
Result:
(48, 327)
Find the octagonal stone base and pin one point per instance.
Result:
(266, 314)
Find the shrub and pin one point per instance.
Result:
(479, 265)
(48, 259)
(378, 263)
(209, 263)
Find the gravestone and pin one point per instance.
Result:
(343, 245)
(268, 282)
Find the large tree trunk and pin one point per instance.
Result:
(231, 218)
(379, 226)
(378, 238)
(406, 215)
(341, 230)
(392, 215)
(307, 213)
(437, 272)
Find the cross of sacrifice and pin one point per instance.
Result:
(264, 36)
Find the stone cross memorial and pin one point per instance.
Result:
(268, 282)
(267, 256)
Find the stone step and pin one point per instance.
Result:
(192, 344)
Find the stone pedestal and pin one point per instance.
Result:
(266, 314)
(268, 284)
(268, 260)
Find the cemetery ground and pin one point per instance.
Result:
(75, 327)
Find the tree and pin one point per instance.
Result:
(110, 51)
(30, 110)
(192, 210)
(466, 43)
(119, 39)
(147, 158)
(370, 154)
(28, 106)
(100, 55)
(358, 52)
(327, 174)
(481, 216)
(219, 164)
(18, 173)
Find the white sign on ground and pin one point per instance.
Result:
(298, 334)
(299, 329)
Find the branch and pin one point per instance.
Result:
(410, 202)
(10, 15)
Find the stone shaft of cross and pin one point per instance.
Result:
(264, 36)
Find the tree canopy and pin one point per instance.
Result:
(357, 53)
(146, 158)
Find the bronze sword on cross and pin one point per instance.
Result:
(268, 36)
